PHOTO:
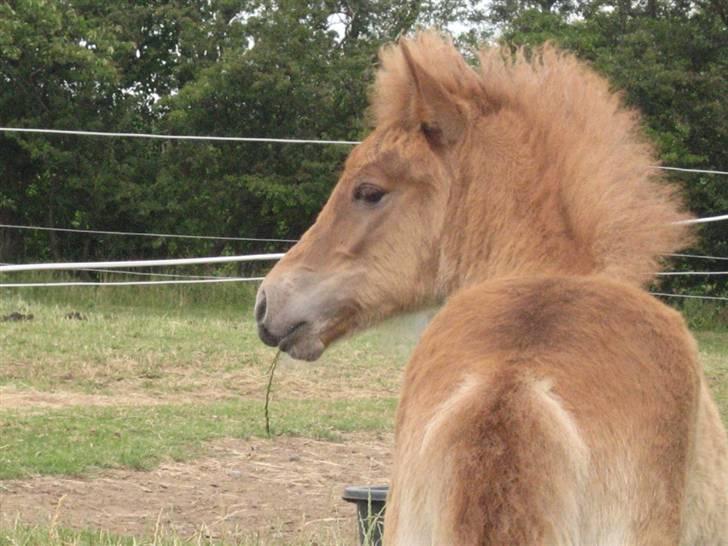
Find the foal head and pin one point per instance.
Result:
(374, 249)
(467, 176)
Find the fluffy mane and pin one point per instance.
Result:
(582, 138)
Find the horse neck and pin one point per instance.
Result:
(506, 215)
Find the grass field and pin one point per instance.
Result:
(134, 381)
(138, 381)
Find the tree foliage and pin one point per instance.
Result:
(290, 68)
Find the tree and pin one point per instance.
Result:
(221, 67)
(56, 71)
(295, 69)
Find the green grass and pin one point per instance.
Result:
(191, 356)
(26, 535)
(201, 371)
(181, 350)
(21, 535)
(705, 315)
(93, 355)
(714, 357)
(207, 369)
(77, 440)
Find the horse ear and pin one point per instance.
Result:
(433, 108)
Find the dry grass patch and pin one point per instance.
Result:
(281, 491)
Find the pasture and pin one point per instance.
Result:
(135, 416)
(143, 416)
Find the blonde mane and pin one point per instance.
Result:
(583, 140)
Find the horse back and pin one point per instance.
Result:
(547, 411)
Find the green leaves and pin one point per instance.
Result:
(285, 68)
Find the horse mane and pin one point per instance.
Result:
(586, 142)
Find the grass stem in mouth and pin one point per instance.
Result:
(271, 371)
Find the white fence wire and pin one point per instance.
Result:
(189, 279)
(177, 137)
(129, 283)
(689, 296)
(709, 219)
(137, 263)
(249, 139)
(144, 234)
(698, 256)
(689, 273)
(684, 170)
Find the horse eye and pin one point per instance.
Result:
(369, 194)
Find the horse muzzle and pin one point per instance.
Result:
(291, 314)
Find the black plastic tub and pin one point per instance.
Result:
(370, 501)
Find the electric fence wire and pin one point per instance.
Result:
(252, 139)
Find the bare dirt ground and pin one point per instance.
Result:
(283, 489)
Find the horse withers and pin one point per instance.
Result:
(552, 400)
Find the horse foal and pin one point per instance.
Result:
(552, 400)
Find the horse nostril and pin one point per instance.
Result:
(261, 307)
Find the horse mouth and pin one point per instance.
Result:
(308, 338)
(302, 343)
